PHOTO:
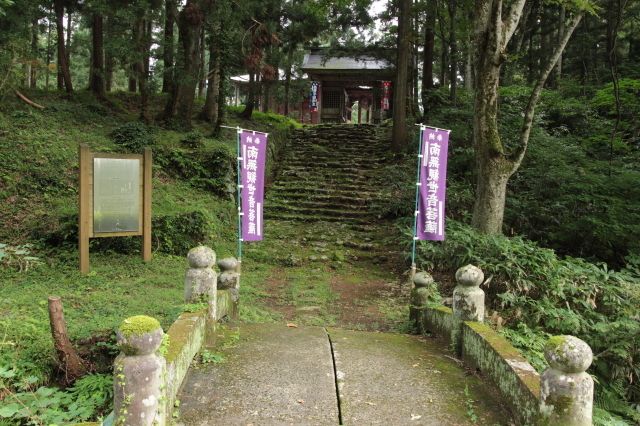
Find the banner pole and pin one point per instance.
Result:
(415, 211)
(239, 185)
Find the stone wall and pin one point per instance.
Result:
(562, 396)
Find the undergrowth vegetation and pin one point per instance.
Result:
(537, 294)
(577, 194)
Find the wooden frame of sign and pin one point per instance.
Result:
(114, 199)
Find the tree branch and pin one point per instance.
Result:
(27, 100)
(529, 113)
(510, 23)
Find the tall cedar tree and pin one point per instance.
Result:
(63, 63)
(181, 96)
(399, 132)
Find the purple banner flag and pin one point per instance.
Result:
(433, 184)
(253, 151)
(313, 97)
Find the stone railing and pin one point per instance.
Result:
(152, 364)
(562, 396)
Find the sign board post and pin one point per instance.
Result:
(114, 199)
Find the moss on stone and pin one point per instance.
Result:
(138, 325)
(494, 355)
(560, 403)
(180, 333)
(444, 309)
(554, 344)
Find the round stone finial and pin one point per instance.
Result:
(469, 276)
(422, 279)
(139, 335)
(201, 257)
(228, 264)
(568, 354)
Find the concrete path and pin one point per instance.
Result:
(278, 375)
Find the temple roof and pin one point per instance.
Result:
(318, 62)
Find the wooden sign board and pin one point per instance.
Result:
(114, 199)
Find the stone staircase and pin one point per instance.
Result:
(330, 178)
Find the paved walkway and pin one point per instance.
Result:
(278, 375)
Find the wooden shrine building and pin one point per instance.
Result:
(350, 89)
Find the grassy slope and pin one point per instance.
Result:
(38, 166)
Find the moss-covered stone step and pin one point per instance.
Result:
(310, 185)
(325, 174)
(331, 197)
(296, 217)
(336, 148)
(318, 211)
(313, 203)
(370, 164)
(358, 167)
(296, 187)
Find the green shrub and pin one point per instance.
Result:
(173, 234)
(212, 169)
(90, 397)
(180, 233)
(133, 136)
(533, 286)
(192, 140)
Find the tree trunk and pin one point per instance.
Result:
(427, 56)
(201, 72)
(415, 107)
(133, 82)
(491, 189)
(181, 98)
(70, 362)
(468, 64)
(267, 94)
(141, 42)
(399, 138)
(287, 80)
(96, 80)
(109, 66)
(222, 99)
(69, 32)
(109, 60)
(63, 66)
(171, 11)
(210, 109)
(48, 59)
(563, 12)
(33, 76)
(453, 51)
(251, 97)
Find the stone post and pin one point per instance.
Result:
(200, 282)
(230, 280)
(566, 390)
(468, 297)
(420, 296)
(139, 374)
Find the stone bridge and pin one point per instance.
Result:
(456, 370)
(213, 370)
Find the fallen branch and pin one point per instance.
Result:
(69, 362)
(28, 101)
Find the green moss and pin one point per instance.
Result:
(444, 309)
(138, 325)
(554, 343)
(560, 403)
(180, 333)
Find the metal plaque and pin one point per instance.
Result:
(116, 195)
